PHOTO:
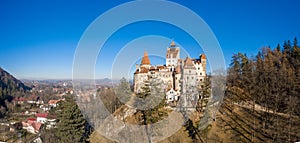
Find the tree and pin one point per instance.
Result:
(287, 47)
(204, 94)
(154, 98)
(153, 95)
(270, 82)
(72, 126)
(123, 91)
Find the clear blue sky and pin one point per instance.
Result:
(39, 37)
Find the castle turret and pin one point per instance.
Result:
(145, 61)
(172, 56)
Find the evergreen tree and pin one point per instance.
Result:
(270, 81)
(152, 87)
(204, 94)
(72, 126)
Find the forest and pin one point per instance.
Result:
(267, 88)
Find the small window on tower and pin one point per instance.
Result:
(200, 73)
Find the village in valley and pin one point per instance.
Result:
(31, 113)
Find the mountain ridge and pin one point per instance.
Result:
(9, 84)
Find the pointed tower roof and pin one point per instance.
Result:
(203, 56)
(145, 59)
(189, 63)
(173, 44)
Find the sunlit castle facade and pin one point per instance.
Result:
(176, 76)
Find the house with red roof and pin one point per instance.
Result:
(54, 103)
(19, 100)
(41, 117)
(32, 126)
(33, 99)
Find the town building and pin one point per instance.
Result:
(41, 117)
(32, 126)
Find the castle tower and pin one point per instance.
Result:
(172, 56)
(141, 73)
(145, 61)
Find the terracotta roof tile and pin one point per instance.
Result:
(43, 115)
(144, 70)
(145, 59)
(173, 44)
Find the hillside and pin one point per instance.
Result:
(9, 83)
(9, 87)
(261, 102)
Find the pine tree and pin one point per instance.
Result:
(204, 94)
(152, 87)
(271, 80)
(72, 126)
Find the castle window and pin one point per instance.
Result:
(192, 77)
(187, 77)
(200, 79)
(200, 73)
(189, 71)
(198, 68)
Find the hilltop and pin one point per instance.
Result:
(9, 83)
(10, 87)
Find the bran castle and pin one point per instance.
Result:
(175, 76)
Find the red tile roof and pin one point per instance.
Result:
(53, 101)
(189, 63)
(145, 59)
(203, 56)
(31, 119)
(36, 125)
(42, 115)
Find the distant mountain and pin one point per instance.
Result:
(10, 85)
